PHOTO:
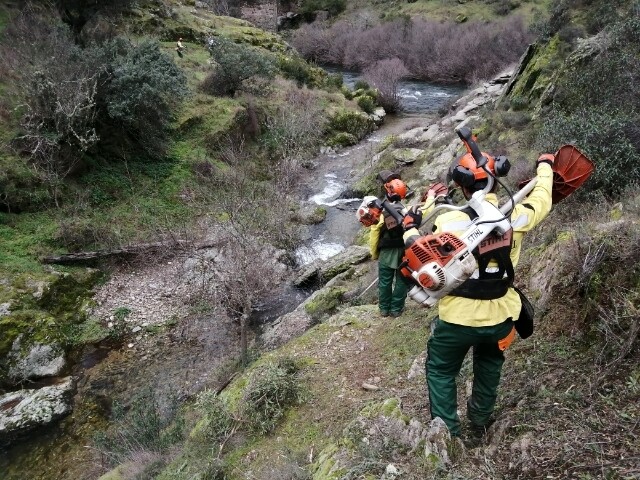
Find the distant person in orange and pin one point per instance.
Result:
(180, 47)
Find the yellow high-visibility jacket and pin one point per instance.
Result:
(525, 216)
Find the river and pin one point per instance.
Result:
(331, 182)
(416, 97)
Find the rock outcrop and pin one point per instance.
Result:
(26, 410)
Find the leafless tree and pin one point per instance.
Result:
(219, 7)
(385, 75)
(431, 50)
(59, 88)
(293, 131)
(254, 231)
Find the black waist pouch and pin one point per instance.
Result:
(524, 324)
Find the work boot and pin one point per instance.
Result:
(474, 436)
(384, 313)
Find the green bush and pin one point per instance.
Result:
(366, 103)
(354, 123)
(596, 107)
(348, 94)
(608, 138)
(342, 139)
(235, 63)
(335, 80)
(142, 93)
(361, 84)
(149, 424)
(270, 391)
(217, 422)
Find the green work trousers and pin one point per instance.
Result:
(446, 349)
(391, 295)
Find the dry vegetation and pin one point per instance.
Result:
(444, 52)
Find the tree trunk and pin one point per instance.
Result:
(244, 332)
(87, 257)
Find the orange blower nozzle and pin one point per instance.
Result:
(571, 169)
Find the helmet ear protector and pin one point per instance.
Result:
(466, 173)
(502, 166)
(463, 176)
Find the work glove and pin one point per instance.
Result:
(412, 219)
(548, 158)
(435, 190)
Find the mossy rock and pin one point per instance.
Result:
(389, 408)
(538, 73)
(327, 466)
(342, 139)
(51, 310)
(325, 302)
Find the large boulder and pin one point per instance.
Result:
(324, 270)
(36, 362)
(26, 410)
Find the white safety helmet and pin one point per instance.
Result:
(368, 213)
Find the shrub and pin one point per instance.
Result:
(385, 76)
(268, 394)
(361, 84)
(295, 128)
(217, 422)
(335, 80)
(596, 108)
(354, 123)
(145, 87)
(366, 103)
(151, 424)
(608, 138)
(235, 63)
(430, 50)
(71, 98)
(342, 139)
(58, 89)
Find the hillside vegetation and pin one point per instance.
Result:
(175, 150)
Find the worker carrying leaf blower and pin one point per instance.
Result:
(386, 242)
(467, 264)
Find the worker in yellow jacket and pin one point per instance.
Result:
(386, 245)
(480, 313)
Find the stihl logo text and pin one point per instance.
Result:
(475, 234)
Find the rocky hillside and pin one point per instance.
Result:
(332, 391)
(347, 399)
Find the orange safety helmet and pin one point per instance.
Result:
(466, 172)
(396, 189)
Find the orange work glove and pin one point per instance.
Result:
(435, 190)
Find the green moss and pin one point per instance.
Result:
(389, 408)
(342, 139)
(539, 72)
(50, 309)
(325, 302)
(326, 468)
